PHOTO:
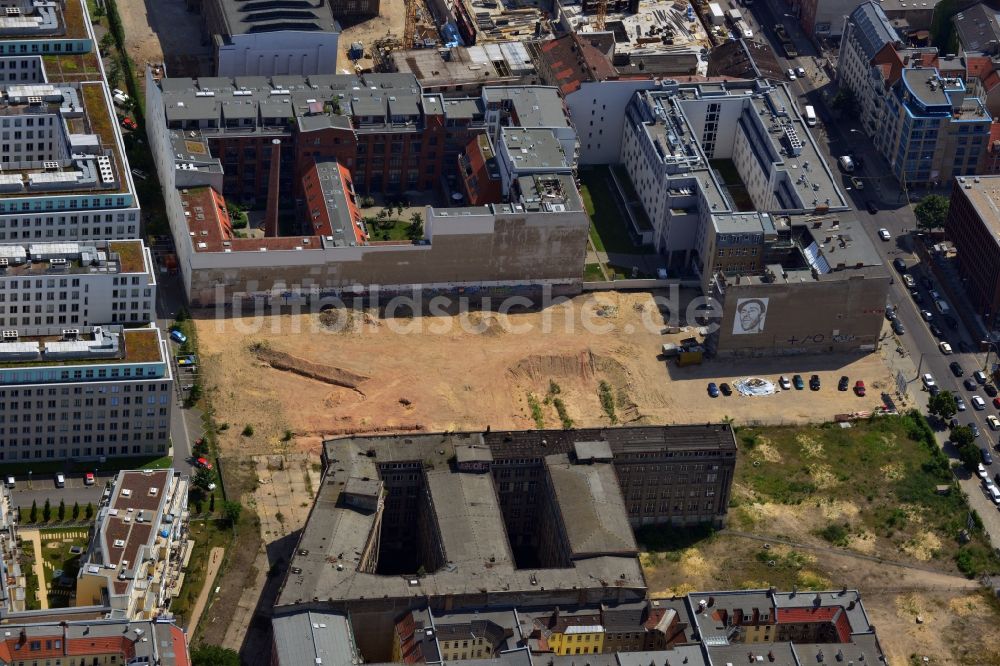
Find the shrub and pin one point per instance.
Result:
(247, 430)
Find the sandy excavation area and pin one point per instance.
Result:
(298, 379)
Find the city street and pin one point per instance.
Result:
(896, 215)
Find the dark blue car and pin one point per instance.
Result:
(713, 390)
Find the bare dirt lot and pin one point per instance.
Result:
(296, 381)
(164, 31)
(392, 15)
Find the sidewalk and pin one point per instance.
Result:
(214, 562)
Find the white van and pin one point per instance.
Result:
(846, 163)
(810, 116)
(60, 480)
(10, 482)
(994, 493)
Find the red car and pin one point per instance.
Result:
(859, 388)
(201, 462)
(128, 123)
(996, 402)
(88, 479)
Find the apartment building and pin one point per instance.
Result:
(87, 393)
(13, 581)
(94, 642)
(135, 554)
(49, 286)
(923, 121)
(974, 227)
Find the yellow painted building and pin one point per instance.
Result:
(577, 639)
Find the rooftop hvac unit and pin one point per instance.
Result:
(71, 333)
(4, 262)
(9, 335)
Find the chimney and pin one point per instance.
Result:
(65, 632)
(271, 215)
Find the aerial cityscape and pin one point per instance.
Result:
(499, 332)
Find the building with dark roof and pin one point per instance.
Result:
(978, 29)
(263, 38)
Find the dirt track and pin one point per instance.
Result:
(451, 373)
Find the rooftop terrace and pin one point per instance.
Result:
(53, 259)
(99, 345)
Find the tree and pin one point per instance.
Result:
(88, 511)
(931, 212)
(47, 511)
(964, 442)
(33, 514)
(943, 405)
(213, 655)
(115, 73)
(76, 510)
(211, 503)
(107, 42)
(203, 478)
(845, 101)
(62, 510)
(232, 511)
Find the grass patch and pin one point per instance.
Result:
(56, 545)
(608, 229)
(889, 467)
(607, 400)
(207, 534)
(593, 273)
(536, 411)
(567, 422)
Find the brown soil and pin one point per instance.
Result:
(474, 371)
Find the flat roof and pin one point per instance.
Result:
(533, 106)
(314, 638)
(468, 515)
(983, 192)
(133, 346)
(298, 16)
(592, 507)
(77, 258)
(534, 149)
(924, 84)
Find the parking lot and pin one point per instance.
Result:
(42, 487)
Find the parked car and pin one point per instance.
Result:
(975, 433)
(979, 376)
(926, 315)
(960, 403)
(898, 328)
(713, 390)
(204, 464)
(978, 403)
(970, 384)
(909, 282)
(872, 208)
(928, 380)
(797, 381)
(981, 471)
(993, 421)
(899, 264)
(119, 97)
(956, 368)
(890, 313)
(88, 479)
(990, 390)
(177, 336)
(917, 297)
(784, 383)
(987, 458)
(800, 72)
(937, 333)
(934, 390)
(996, 402)
(859, 388)
(60, 480)
(725, 388)
(945, 348)
(814, 383)
(790, 73)
(843, 384)
(883, 233)
(10, 482)
(128, 123)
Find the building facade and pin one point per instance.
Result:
(96, 392)
(47, 286)
(974, 227)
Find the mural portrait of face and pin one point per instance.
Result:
(750, 316)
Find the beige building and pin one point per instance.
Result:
(133, 562)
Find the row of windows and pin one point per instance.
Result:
(77, 390)
(110, 450)
(109, 232)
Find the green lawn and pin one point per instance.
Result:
(56, 545)
(42, 472)
(389, 230)
(889, 467)
(608, 230)
(592, 273)
(207, 534)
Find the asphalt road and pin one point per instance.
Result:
(169, 299)
(43, 487)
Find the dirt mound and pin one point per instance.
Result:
(323, 373)
(540, 368)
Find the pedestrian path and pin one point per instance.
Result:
(36, 541)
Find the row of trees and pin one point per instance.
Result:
(88, 512)
(944, 406)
